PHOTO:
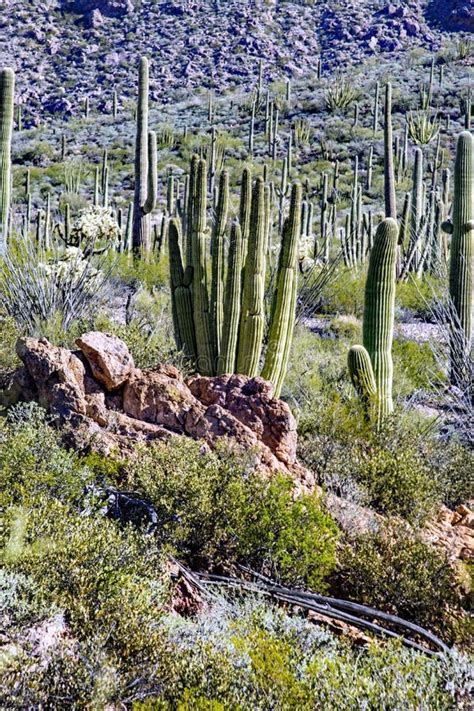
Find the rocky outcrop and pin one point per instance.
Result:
(112, 8)
(111, 404)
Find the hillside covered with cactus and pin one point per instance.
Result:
(236, 373)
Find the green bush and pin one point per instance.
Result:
(395, 571)
(219, 511)
(33, 463)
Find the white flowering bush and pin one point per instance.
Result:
(37, 289)
(96, 228)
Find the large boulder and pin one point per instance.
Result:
(109, 358)
(112, 404)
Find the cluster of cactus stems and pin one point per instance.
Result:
(7, 87)
(371, 365)
(145, 168)
(221, 326)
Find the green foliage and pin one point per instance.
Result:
(219, 511)
(32, 462)
(394, 570)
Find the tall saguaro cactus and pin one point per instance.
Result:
(253, 318)
(390, 195)
(284, 299)
(379, 311)
(462, 251)
(7, 86)
(145, 167)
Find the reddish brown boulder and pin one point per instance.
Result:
(113, 405)
(109, 358)
(57, 374)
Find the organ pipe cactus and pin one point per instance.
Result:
(7, 86)
(217, 248)
(379, 311)
(201, 312)
(181, 279)
(284, 298)
(226, 361)
(462, 252)
(145, 167)
(252, 318)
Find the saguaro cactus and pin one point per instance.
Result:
(390, 196)
(252, 318)
(7, 86)
(284, 299)
(379, 311)
(145, 167)
(462, 252)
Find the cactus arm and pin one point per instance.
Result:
(217, 279)
(180, 293)
(152, 178)
(226, 360)
(252, 316)
(202, 320)
(283, 313)
(361, 373)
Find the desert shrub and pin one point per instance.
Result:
(454, 464)
(37, 288)
(253, 656)
(345, 295)
(394, 570)
(33, 463)
(9, 333)
(415, 367)
(398, 477)
(104, 578)
(218, 510)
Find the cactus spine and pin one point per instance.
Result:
(145, 167)
(252, 317)
(7, 86)
(462, 252)
(284, 299)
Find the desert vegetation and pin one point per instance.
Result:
(197, 544)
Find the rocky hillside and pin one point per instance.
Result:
(64, 50)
